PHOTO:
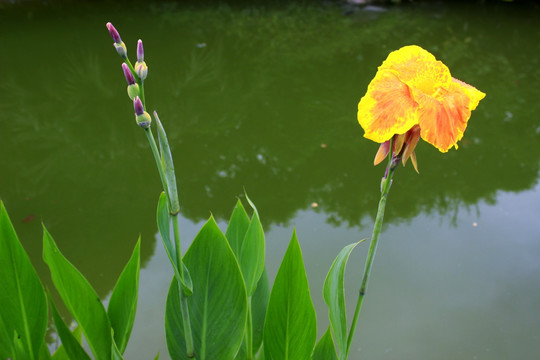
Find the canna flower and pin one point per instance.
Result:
(413, 95)
(118, 43)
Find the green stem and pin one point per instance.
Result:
(385, 188)
(248, 334)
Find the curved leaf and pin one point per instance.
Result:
(218, 306)
(325, 349)
(290, 328)
(334, 296)
(123, 303)
(71, 347)
(80, 299)
(23, 305)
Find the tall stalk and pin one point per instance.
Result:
(386, 182)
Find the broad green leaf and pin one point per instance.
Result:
(252, 254)
(290, 328)
(157, 357)
(60, 353)
(236, 230)
(166, 156)
(71, 346)
(259, 303)
(163, 218)
(334, 296)
(325, 349)
(23, 306)
(80, 299)
(218, 306)
(123, 302)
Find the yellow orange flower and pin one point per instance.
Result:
(413, 90)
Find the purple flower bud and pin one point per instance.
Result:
(140, 51)
(114, 34)
(138, 106)
(128, 74)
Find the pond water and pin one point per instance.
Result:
(264, 98)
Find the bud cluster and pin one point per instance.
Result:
(134, 87)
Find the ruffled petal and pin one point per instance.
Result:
(387, 108)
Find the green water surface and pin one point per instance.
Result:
(263, 97)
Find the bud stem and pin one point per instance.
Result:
(393, 160)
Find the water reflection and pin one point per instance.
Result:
(267, 103)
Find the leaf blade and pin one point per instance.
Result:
(291, 338)
(23, 305)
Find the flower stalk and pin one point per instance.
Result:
(135, 76)
(393, 162)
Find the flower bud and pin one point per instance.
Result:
(114, 33)
(138, 106)
(118, 43)
(141, 69)
(128, 74)
(142, 118)
(140, 51)
(121, 49)
(133, 91)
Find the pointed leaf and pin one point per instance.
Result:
(252, 254)
(23, 306)
(60, 353)
(290, 328)
(334, 296)
(236, 230)
(80, 299)
(325, 349)
(169, 166)
(71, 347)
(218, 306)
(123, 302)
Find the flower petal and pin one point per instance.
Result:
(443, 118)
(387, 108)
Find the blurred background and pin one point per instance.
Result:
(262, 96)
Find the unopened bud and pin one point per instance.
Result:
(140, 51)
(121, 49)
(141, 69)
(128, 74)
(144, 120)
(138, 106)
(133, 91)
(114, 33)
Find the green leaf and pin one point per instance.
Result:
(290, 328)
(60, 353)
(71, 345)
(116, 354)
(80, 299)
(44, 353)
(163, 218)
(325, 349)
(157, 357)
(252, 254)
(123, 302)
(23, 306)
(237, 228)
(334, 296)
(165, 151)
(218, 306)
(259, 303)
